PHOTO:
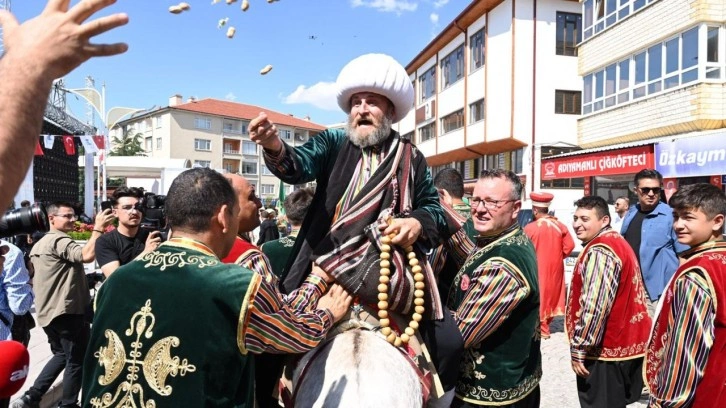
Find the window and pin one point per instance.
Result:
(229, 167)
(426, 132)
(159, 121)
(265, 170)
(517, 157)
(147, 144)
(663, 66)
(230, 126)
(427, 84)
(244, 128)
(158, 143)
(476, 46)
(452, 67)
(569, 33)
(202, 123)
(249, 167)
(202, 144)
(512, 160)
(249, 148)
(267, 189)
(202, 163)
(469, 169)
(713, 70)
(476, 111)
(452, 121)
(229, 148)
(601, 14)
(285, 134)
(567, 102)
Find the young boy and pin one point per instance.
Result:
(684, 364)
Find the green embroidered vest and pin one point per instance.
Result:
(169, 332)
(278, 252)
(507, 365)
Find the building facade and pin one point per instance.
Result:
(654, 95)
(499, 88)
(213, 133)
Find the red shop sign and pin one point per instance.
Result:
(622, 161)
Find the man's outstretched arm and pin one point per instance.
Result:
(37, 52)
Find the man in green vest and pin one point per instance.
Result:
(495, 299)
(175, 327)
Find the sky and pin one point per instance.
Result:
(306, 41)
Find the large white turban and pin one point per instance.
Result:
(380, 74)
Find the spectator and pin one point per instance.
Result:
(268, 228)
(62, 298)
(125, 243)
(648, 228)
(622, 204)
(607, 322)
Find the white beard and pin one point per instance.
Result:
(376, 137)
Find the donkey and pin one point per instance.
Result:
(356, 369)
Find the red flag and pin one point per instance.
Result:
(69, 144)
(98, 139)
(38, 149)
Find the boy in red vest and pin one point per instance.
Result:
(606, 319)
(686, 352)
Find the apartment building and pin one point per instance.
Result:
(213, 133)
(499, 88)
(654, 95)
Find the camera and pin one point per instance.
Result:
(26, 220)
(152, 207)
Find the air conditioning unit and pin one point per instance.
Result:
(299, 137)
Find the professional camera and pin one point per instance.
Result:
(26, 220)
(152, 206)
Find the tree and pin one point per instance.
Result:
(127, 145)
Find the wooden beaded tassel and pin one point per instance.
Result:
(383, 282)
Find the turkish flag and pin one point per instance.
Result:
(38, 149)
(98, 139)
(69, 144)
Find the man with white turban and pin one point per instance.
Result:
(371, 182)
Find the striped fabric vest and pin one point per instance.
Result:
(709, 259)
(628, 323)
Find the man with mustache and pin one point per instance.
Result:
(370, 180)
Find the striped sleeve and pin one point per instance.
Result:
(496, 288)
(282, 161)
(276, 327)
(313, 287)
(691, 336)
(600, 277)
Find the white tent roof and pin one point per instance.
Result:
(138, 166)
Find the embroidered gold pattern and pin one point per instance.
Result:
(157, 366)
(510, 395)
(165, 260)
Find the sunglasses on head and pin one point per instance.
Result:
(647, 190)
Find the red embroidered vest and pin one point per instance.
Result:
(628, 323)
(710, 259)
(240, 247)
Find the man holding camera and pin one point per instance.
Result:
(125, 243)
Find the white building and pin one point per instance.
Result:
(499, 88)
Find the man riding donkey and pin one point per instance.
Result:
(375, 208)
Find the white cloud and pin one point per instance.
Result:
(230, 97)
(394, 6)
(321, 95)
(434, 18)
(440, 3)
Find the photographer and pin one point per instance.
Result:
(126, 242)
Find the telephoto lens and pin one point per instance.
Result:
(26, 220)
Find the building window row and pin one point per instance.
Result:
(452, 67)
(427, 132)
(202, 144)
(669, 64)
(267, 189)
(452, 121)
(601, 14)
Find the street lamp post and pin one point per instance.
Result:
(109, 119)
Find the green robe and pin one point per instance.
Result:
(169, 330)
(506, 366)
(278, 252)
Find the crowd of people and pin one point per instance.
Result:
(202, 317)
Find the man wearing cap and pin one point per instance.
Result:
(370, 180)
(553, 243)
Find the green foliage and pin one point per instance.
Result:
(128, 145)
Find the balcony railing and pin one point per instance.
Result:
(230, 151)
